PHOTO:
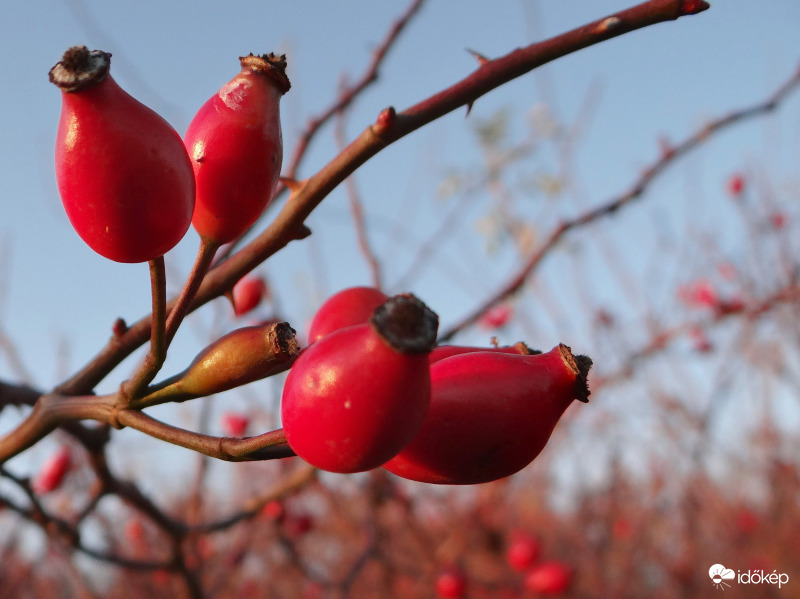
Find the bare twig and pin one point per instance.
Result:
(608, 208)
(158, 342)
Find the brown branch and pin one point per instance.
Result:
(174, 529)
(288, 224)
(158, 342)
(49, 412)
(17, 395)
(667, 159)
(268, 446)
(350, 93)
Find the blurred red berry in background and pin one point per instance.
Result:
(273, 510)
(548, 578)
(234, 424)
(736, 185)
(747, 521)
(699, 293)
(523, 551)
(53, 471)
(496, 316)
(777, 220)
(248, 293)
(451, 583)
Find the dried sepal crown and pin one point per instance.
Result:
(273, 65)
(80, 68)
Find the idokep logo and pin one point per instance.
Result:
(719, 575)
(722, 577)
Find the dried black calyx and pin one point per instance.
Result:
(80, 68)
(406, 324)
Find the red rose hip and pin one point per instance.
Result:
(248, 292)
(441, 352)
(354, 398)
(53, 471)
(236, 147)
(122, 171)
(490, 415)
(523, 551)
(345, 308)
(548, 578)
(451, 583)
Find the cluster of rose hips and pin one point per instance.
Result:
(544, 578)
(131, 186)
(372, 388)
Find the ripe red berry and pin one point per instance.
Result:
(53, 471)
(248, 293)
(496, 316)
(122, 171)
(273, 510)
(451, 583)
(350, 306)
(699, 293)
(736, 185)
(236, 148)
(354, 398)
(490, 415)
(234, 425)
(548, 578)
(523, 551)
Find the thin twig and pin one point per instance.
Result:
(182, 306)
(610, 207)
(158, 342)
(268, 446)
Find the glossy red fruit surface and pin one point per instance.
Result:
(345, 308)
(123, 174)
(441, 352)
(490, 414)
(354, 398)
(236, 148)
(548, 578)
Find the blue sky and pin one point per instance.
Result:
(58, 299)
